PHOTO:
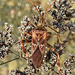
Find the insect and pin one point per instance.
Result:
(39, 38)
(38, 46)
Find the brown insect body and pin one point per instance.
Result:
(38, 46)
(39, 37)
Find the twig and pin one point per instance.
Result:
(65, 40)
(17, 55)
(9, 61)
(53, 70)
(53, 29)
(13, 59)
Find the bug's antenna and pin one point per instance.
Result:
(35, 7)
(49, 7)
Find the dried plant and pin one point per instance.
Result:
(61, 13)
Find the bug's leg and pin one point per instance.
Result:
(58, 58)
(28, 33)
(25, 41)
(31, 23)
(24, 50)
(60, 41)
(58, 62)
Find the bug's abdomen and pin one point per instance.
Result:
(37, 57)
(38, 46)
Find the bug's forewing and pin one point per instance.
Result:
(43, 42)
(37, 57)
(38, 51)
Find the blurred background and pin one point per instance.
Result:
(13, 11)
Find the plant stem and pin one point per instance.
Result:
(9, 61)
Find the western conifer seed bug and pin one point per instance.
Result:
(39, 37)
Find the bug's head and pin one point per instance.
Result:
(39, 34)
